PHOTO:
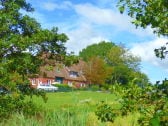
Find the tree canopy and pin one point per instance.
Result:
(101, 49)
(145, 13)
(153, 13)
(96, 71)
(22, 42)
(117, 62)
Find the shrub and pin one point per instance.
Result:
(150, 101)
(94, 87)
(105, 86)
(105, 112)
(15, 104)
(64, 87)
(15, 101)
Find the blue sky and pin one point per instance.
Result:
(90, 21)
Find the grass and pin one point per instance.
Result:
(62, 99)
(71, 109)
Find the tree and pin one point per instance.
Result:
(122, 65)
(96, 71)
(125, 65)
(101, 49)
(147, 13)
(22, 39)
(22, 43)
(118, 55)
(152, 13)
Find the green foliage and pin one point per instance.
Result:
(71, 59)
(13, 103)
(152, 13)
(105, 112)
(93, 87)
(163, 86)
(64, 88)
(105, 87)
(110, 63)
(23, 40)
(96, 50)
(150, 101)
(125, 66)
(26, 90)
(161, 52)
(22, 43)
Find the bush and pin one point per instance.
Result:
(150, 101)
(94, 87)
(105, 112)
(64, 87)
(105, 86)
(12, 103)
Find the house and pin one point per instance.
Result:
(60, 74)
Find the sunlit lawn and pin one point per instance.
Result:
(75, 98)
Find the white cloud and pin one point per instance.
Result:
(110, 17)
(51, 6)
(146, 51)
(81, 37)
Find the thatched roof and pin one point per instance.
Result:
(59, 70)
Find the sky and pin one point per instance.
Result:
(86, 22)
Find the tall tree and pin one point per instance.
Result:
(122, 65)
(118, 55)
(101, 49)
(22, 42)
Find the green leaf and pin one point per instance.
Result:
(121, 9)
(155, 121)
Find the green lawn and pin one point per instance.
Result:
(67, 99)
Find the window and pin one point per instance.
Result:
(39, 82)
(48, 82)
(82, 85)
(70, 83)
(33, 81)
(73, 74)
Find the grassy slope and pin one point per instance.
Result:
(61, 99)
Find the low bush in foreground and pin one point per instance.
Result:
(15, 102)
(150, 102)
